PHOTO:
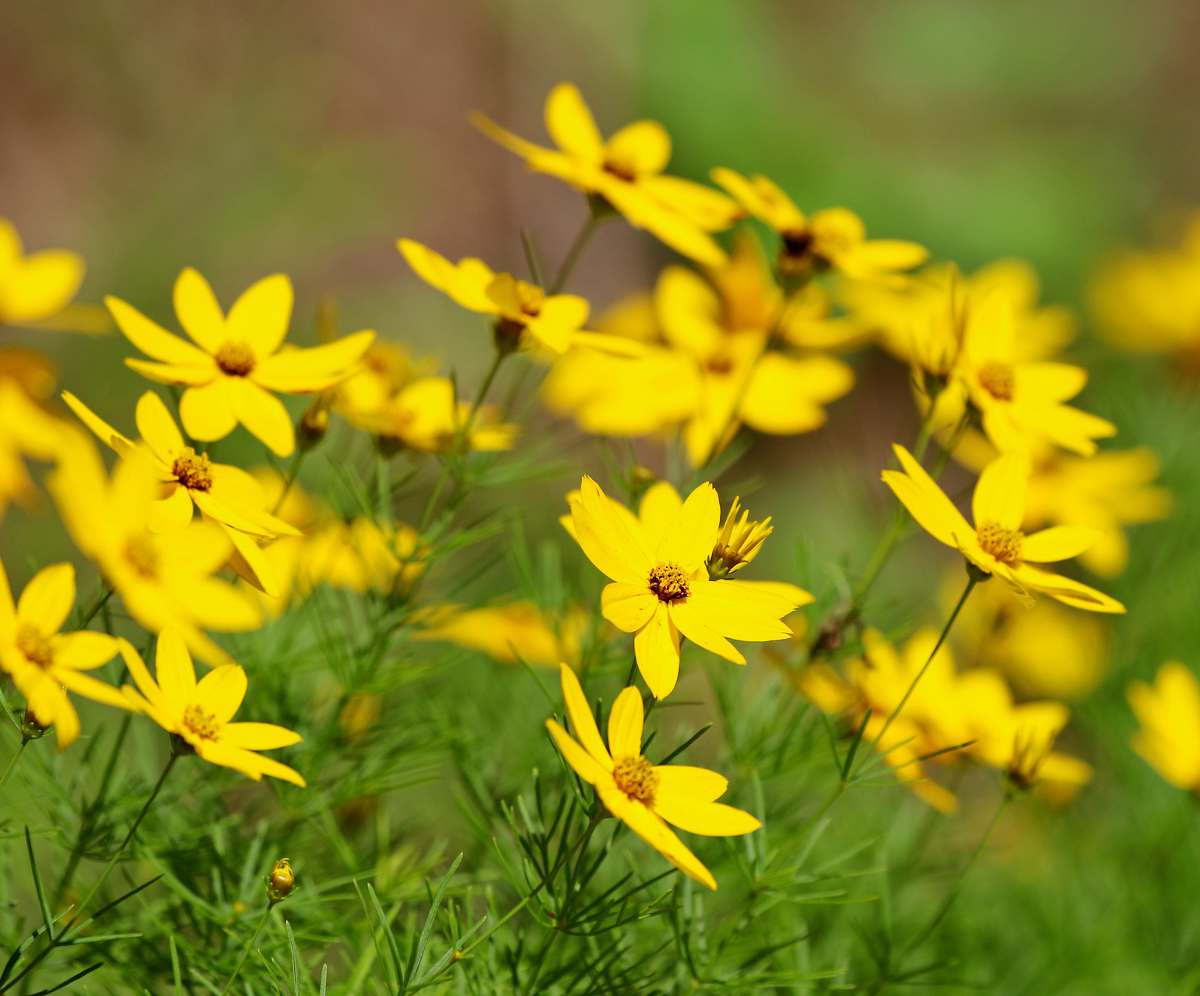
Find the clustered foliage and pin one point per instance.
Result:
(362, 746)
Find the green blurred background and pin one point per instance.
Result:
(250, 138)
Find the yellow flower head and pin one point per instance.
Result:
(45, 663)
(234, 360)
(27, 432)
(35, 286)
(739, 541)
(223, 493)
(833, 239)
(164, 579)
(660, 585)
(644, 796)
(995, 543)
(625, 172)
(200, 713)
(510, 632)
(1168, 712)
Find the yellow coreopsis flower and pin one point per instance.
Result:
(200, 712)
(509, 632)
(624, 172)
(833, 239)
(234, 361)
(523, 311)
(224, 493)
(27, 432)
(164, 579)
(643, 796)
(1169, 714)
(45, 663)
(661, 586)
(35, 286)
(995, 543)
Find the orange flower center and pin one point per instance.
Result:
(235, 358)
(201, 722)
(636, 778)
(35, 646)
(1003, 544)
(141, 555)
(191, 469)
(997, 379)
(669, 582)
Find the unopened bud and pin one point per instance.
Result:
(31, 729)
(281, 881)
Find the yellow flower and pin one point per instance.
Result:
(738, 542)
(643, 796)
(510, 632)
(224, 493)
(35, 286)
(236, 360)
(200, 712)
(660, 585)
(44, 663)
(26, 432)
(164, 579)
(626, 173)
(831, 239)
(523, 311)
(1168, 712)
(361, 555)
(424, 416)
(995, 543)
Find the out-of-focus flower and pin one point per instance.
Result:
(200, 712)
(625, 173)
(660, 586)
(509, 632)
(1148, 301)
(1168, 712)
(644, 796)
(164, 579)
(995, 544)
(44, 663)
(224, 493)
(521, 309)
(34, 286)
(27, 431)
(831, 239)
(235, 360)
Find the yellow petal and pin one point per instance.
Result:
(583, 723)
(8, 609)
(304, 371)
(1000, 492)
(198, 312)
(261, 315)
(640, 148)
(152, 339)
(690, 539)
(656, 647)
(258, 736)
(610, 540)
(571, 124)
(641, 210)
(1066, 590)
(252, 563)
(170, 513)
(249, 764)
(685, 782)
(44, 284)
(625, 723)
(627, 606)
(84, 650)
(695, 625)
(47, 599)
(207, 412)
(221, 691)
(1057, 543)
(111, 438)
(465, 283)
(146, 685)
(167, 373)
(654, 832)
(173, 667)
(90, 688)
(659, 508)
(738, 611)
(157, 428)
(524, 149)
(581, 762)
(710, 819)
(264, 416)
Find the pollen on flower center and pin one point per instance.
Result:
(669, 582)
(997, 379)
(201, 722)
(141, 555)
(35, 645)
(1003, 544)
(235, 358)
(636, 778)
(192, 470)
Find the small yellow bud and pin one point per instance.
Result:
(738, 542)
(281, 881)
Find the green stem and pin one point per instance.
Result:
(96, 606)
(293, 472)
(262, 922)
(480, 397)
(572, 257)
(12, 762)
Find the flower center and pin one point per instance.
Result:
(201, 722)
(235, 358)
(35, 646)
(1003, 544)
(141, 555)
(669, 582)
(636, 778)
(191, 469)
(618, 169)
(997, 379)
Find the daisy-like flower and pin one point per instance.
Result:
(995, 543)
(644, 796)
(833, 239)
(226, 494)
(1168, 712)
(234, 360)
(34, 286)
(523, 311)
(660, 582)
(45, 663)
(625, 172)
(164, 579)
(200, 713)
(511, 632)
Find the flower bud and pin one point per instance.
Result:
(281, 881)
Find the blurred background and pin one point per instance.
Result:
(305, 137)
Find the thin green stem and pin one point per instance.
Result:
(262, 922)
(480, 397)
(96, 606)
(12, 762)
(572, 257)
(289, 479)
